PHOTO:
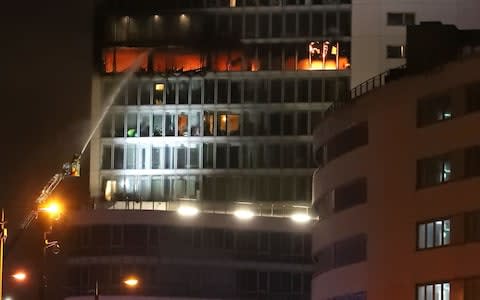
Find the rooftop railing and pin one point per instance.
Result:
(366, 87)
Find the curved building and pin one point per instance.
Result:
(396, 190)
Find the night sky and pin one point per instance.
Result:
(46, 63)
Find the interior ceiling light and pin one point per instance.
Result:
(243, 214)
(300, 217)
(187, 211)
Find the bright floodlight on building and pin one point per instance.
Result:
(19, 276)
(300, 217)
(53, 209)
(243, 214)
(187, 211)
(131, 282)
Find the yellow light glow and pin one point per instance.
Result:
(300, 217)
(243, 214)
(53, 209)
(20, 276)
(131, 282)
(187, 211)
(159, 87)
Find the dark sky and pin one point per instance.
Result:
(45, 71)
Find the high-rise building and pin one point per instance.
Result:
(402, 222)
(201, 172)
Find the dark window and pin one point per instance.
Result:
(323, 259)
(397, 51)
(433, 234)
(434, 109)
(350, 251)
(473, 97)
(347, 141)
(209, 91)
(472, 226)
(434, 170)
(472, 161)
(349, 195)
(107, 157)
(400, 19)
(247, 281)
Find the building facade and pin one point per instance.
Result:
(216, 123)
(379, 30)
(395, 190)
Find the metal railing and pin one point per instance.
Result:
(365, 87)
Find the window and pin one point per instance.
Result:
(433, 109)
(434, 170)
(395, 51)
(350, 251)
(228, 124)
(118, 157)
(107, 157)
(352, 296)
(346, 141)
(433, 234)
(348, 195)
(182, 124)
(472, 161)
(473, 97)
(436, 291)
(158, 92)
(208, 123)
(400, 19)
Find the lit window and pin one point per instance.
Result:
(434, 234)
(228, 124)
(396, 51)
(437, 291)
(435, 170)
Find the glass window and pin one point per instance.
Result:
(181, 157)
(182, 124)
(438, 291)
(208, 156)
(169, 124)
(235, 91)
(157, 124)
(183, 92)
(345, 23)
(262, 91)
(118, 157)
(119, 125)
(107, 157)
(156, 158)
(434, 170)
(158, 93)
(317, 24)
(170, 92)
(132, 94)
(250, 26)
(196, 91)
(249, 91)
(221, 157)
(144, 125)
(288, 123)
(234, 156)
(317, 90)
(209, 91)
(302, 123)
(145, 94)
(273, 156)
(132, 125)
(194, 124)
(395, 51)
(275, 123)
(332, 24)
(107, 126)
(208, 123)
(304, 24)
(302, 90)
(433, 234)
(222, 94)
(289, 90)
(263, 26)
(228, 124)
(330, 90)
(434, 109)
(194, 156)
(276, 25)
(276, 90)
(131, 157)
(291, 24)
